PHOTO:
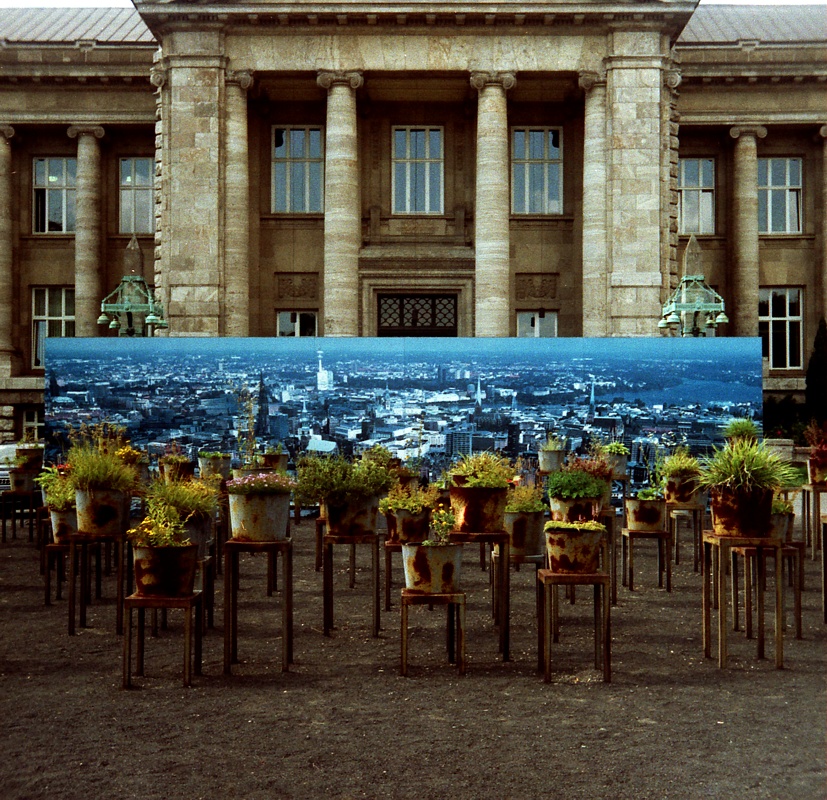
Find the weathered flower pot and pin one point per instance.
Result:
(182, 471)
(406, 526)
(214, 466)
(574, 550)
(816, 472)
(64, 523)
(29, 459)
(432, 569)
(478, 509)
(101, 511)
(259, 517)
(525, 529)
(22, 480)
(618, 463)
(645, 515)
(580, 510)
(682, 491)
(550, 460)
(277, 461)
(199, 531)
(165, 571)
(244, 472)
(781, 526)
(740, 513)
(354, 518)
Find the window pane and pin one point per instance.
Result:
(691, 211)
(126, 171)
(518, 187)
(40, 302)
(690, 172)
(764, 333)
(279, 143)
(778, 172)
(707, 212)
(536, 144)
(71, 171)
(297, 139)
(418, 175)
(399, 204)
(143, 172)
(56, 172)
(794, 198)
(779, 210)
(762, 171)
(795, 344)
(40, 172)
(143, 212)
(55, 303)
(315, 143)
(55, 210)
(795, 172)
(435, 188)
(70, 302)
(778, 345)
(554, 144)
(297, 186)
(417, 144)
(525, 324)
(763, 303)
(69, 328)
(399, 149)
(535, 182)
(70, 210)
(55, 328)
(553, 189)
(794, 302)
(280, 186)
(127, 211)
(763, 218)
(547, 324)
(39, 210)
(435, 144)
(707, 172)
(779, 304)
(519, 144)
(286, 326)
(315, 200)
(38, 336)
(307, 324)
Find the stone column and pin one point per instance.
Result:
(595, 255)
(745, 279)
(823, 133)
(492, 207)
(237, 208)
(342, 205)
(88, 281)
(6, 250)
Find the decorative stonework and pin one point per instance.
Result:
(507, 80)
(588, 79)
(532, 286)
(352, 79)
(85, 130)
(758, 131)
(6, 131)
(243, 78)
(298, 286)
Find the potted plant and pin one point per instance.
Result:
(176, 466)
(214, 463)
(741, 478)
(740, 428)
(679, 472)
(816, 436)
(551, 454)
(276, 458)
(407, 509)
(164, 559)
(260, 506)
(575, 495)
(646, 510)
(574, 547)
(59, 498)
(28, 454)
(103, 485)
(433, 566)
(194, 502)
(617, 454)
(524, 517)
(479, 492)
(781, 518)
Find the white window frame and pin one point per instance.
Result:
(533, 168)
(696, 198)
(536, 324)
(288, 323)
(787, 327)
(409, 165)
(45, 323)
(296, 166)
(130, 191)
(786, 192)
(33, 425)
(62, 185)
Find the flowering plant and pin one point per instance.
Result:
(442, 523)
(262, 483)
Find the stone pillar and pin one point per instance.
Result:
(342, 205)
(237, 208)
(6, 251)
(595, 254)
(823, 134)
(745, 279)
(492, 207)
(88, 242)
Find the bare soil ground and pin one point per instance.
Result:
(344, 724)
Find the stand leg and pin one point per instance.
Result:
(722, 631)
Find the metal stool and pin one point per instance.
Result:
(664, 538)
(456, 619)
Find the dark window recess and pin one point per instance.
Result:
(417, 315)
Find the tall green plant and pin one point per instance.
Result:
(745, 465)
(485, 469)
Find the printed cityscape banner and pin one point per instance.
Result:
(432, 399)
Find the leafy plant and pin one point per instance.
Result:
(91, 469)
(588, 525)
(408, 498)
(650, 493)
(680, 464)
(442, 523)
(262, 483)
(553, 443)
(615, 449)
(212, 455)
(595, 465)
(740, 428)
(574, 485)
(173, 459)
(130, 455)
(186, 497)
(59, 491)
(525, 499)
(161, 527)
(781, 506)
(745, 465)
(485, 469)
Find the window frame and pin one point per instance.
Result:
(770, 326)
(306, 159)
(546, 161)
(132, 190)
(791, 191)
(529, 319)
(409, 161)
(296, 323)
(700, 189)
(44, 320)
(67, 191)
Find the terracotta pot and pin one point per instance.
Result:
(214, 466)
(432, 569)
(478, 509)
(353, 519)
(406, 526)
(101, 511)
(550, 460)
(63, 524)
(165, 571)
(816, 472)
(259, 517)
(740, 513)
(582, 510)
(525, 529)
(682, 491)
(574, 550)
(645, 515)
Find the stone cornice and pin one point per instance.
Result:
(102, 117)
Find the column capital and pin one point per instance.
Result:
(158, 75)
(822, 131)
(243, 78)
(329, 78)
(507, 80)
(672, 78)
(588, 79)
(6, 131)
(85, 130)
(757, 131)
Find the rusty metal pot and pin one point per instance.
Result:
(165, 571)
(101, 511)
(407, 526)
(781, 526)
(353, 519)
(583, 509)
(645, 515)
(682, 491)
(259, 517)
(741, 513)
(525, 529)
(550, 460)
(432, 569)
(479, 509)
(574, 550)
(22, 480)
(64, 523)
(199, 531)
(214, 466)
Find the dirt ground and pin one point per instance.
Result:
(344, 724)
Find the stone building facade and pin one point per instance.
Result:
(438, 168)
